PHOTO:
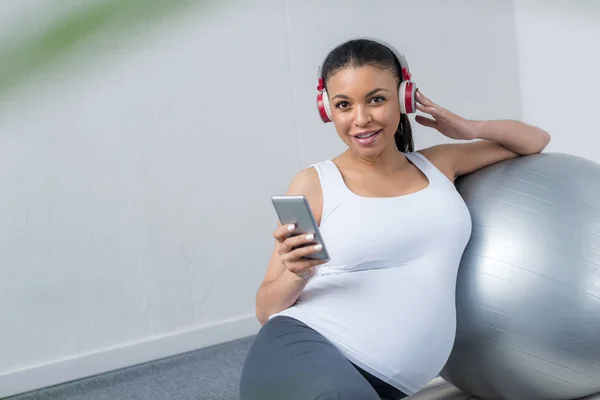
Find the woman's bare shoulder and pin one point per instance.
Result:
(438, 156)
(306, 183)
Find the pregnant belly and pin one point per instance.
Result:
(378, 312)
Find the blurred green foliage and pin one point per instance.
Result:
(73, 30)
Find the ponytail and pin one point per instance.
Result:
(403, 135)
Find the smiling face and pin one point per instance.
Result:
(365, 109)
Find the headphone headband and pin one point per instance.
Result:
(406, 75)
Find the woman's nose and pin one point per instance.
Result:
(361, 117)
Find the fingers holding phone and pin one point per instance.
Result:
(296, 251)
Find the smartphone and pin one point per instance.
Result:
(295, 210)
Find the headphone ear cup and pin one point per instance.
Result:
(402, 97)
(327, 105)
(323, 106)
(410, 97)
(407, 97)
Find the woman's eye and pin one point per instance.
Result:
(344, 104)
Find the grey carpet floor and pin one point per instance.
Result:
(207, 374)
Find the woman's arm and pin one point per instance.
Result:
(498, 140)
(516, 136)
(281, 288)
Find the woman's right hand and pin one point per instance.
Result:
(291, 250)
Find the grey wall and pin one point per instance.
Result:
(136, 173)
(559, 63)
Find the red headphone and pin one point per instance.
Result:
(406, 91)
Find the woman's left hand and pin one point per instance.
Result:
(444, 121)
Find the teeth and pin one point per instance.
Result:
(367, 135)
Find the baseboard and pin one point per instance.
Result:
(107, 360)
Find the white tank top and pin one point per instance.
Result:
(386, 298)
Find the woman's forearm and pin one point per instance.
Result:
(278, 295)
(516, 136)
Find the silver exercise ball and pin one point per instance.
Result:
(528, 287)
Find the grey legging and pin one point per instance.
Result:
(291, 361)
